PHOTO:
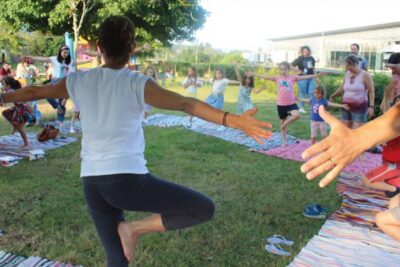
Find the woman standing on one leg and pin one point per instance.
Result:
(306, 64)
(114, 172)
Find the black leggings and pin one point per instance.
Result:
(108, 196)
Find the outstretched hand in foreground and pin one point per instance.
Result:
(251, 126)
(334, 153)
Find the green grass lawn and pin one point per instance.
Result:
(43, 210)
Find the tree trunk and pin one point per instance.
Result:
(76, 38)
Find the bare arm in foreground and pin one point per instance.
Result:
(344, 145)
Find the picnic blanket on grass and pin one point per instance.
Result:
(11, 145)
(342, 244)
(350, 237)
(11, 260)
(219, 131)
(363, 164)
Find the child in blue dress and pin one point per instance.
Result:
(246, 88)
(216, 99)
(317, 123)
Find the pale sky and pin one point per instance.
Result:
(247, 24)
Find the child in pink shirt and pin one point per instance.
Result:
(288, 110)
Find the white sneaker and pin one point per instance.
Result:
(71, 130)
(302, 111)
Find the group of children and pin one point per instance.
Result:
(385, 177)
(287, 108)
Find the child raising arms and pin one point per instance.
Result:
(317, 123)
(216, 99)
(191, 83)
(246, 88)
(288, 110)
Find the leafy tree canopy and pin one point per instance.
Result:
(156, 20)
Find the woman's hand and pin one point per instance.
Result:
(334, 153)
(251, 126)
(346, 107)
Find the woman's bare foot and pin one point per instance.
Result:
(128, 239)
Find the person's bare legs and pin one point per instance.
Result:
(20, 129)
(294, 116)
(129, 232)
(379, 185)
(386, 221)
(283, 131)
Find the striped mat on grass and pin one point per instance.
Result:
(11, 145)
(219, 131)
(12, 260)
(363, 164)
(349, 237)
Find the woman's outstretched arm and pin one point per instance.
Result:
(344, 145)
(35, 92)
(158, 97)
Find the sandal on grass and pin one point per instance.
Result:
(276, 249)
(278, 239)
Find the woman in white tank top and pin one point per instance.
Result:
(115, 177)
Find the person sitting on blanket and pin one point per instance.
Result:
(387, 176)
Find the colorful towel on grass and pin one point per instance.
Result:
(211, 129)
(361, 165)
(360, 203)
(343, 244)
(11, 145)
(11, 260)
(349, 237)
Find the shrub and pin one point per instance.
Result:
(331, 83)
(381, 81)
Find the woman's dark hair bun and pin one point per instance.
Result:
(117, 36)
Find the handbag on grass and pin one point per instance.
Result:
(49, 132)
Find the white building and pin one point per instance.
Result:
(331, 47)
(260, 56)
